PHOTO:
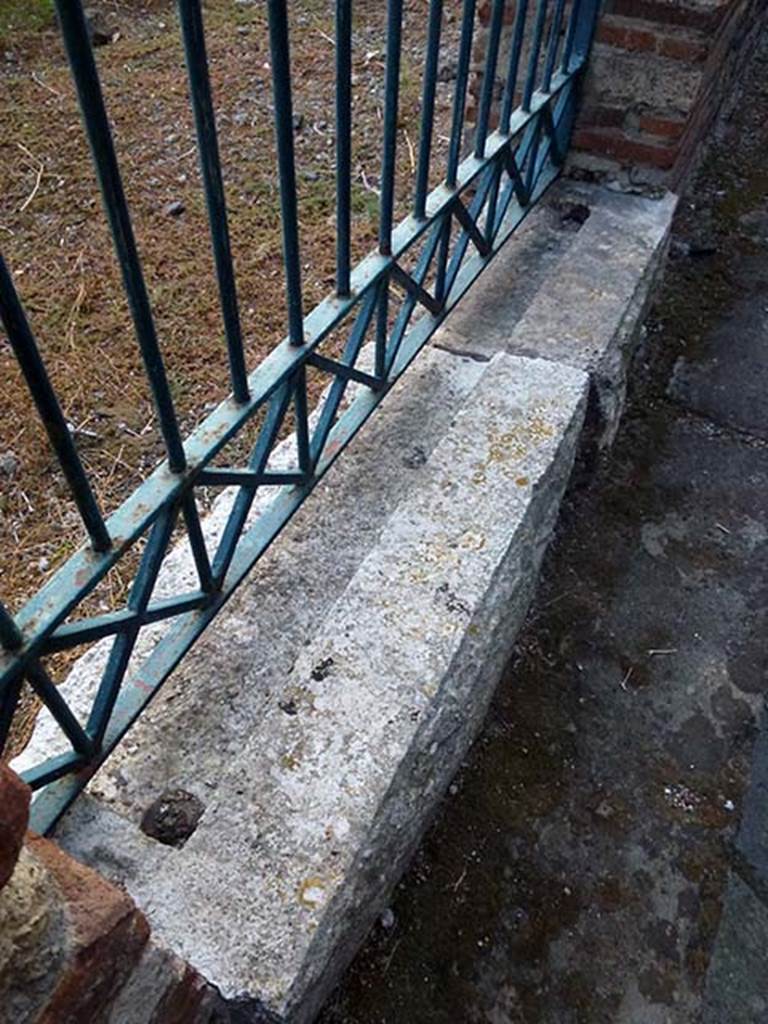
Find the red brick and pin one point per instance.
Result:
(668, 13)
(627, 151)
(183, 1003)
(106, 936)
(602, 117)
(664, 127)
(625, 37)
(14, 818)
(484, 12)
(688, 50)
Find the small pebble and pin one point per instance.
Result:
(9, 464)
(388, 919)
(174, 209)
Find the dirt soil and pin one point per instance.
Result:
(576, 873)
(55, 238)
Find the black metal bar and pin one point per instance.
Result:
(533, 59)
(341, 370)
(281, 89)
(391, 95)
(43, 686)
(73, 634)
(428, 106)
(247, 478)
(122, 648)
(570, 36)
(9, 698)
(257, 463)
(301, 409)
(197, 541)
(518, 34)
(460, 248)
(489, 77)
(415, 292)
(493, 197)
(338, 387)
(52, 769)
(10, 634)
(469, 224)
(517, 181)
(460, 92)
(415, 289)
(442, 257)
(534, 133)
(343, 143)
(191, 17)
(382, 325)
(28, 355)
(76, 40)
(554, 41)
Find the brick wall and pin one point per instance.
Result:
(659, 73)
(73, 947)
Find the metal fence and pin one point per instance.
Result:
(430, 258)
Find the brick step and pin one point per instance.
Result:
(640, 36)
(648, 149)
(626, 79)
(704, 15)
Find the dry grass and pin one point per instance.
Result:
(55, 238)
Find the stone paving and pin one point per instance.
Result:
(602, 857)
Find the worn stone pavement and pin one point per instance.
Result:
(603, 856)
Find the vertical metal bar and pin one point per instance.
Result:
(391, 93)
(343, 143)
(533, 153)
(428, 107)
(584, 31)
(489, 77)
(382, 318)
(554, 40)
(8, 703)
(302, 420)
(570, 35)
(120, 655)
(518, 34)
(191, 17)
(26, 351)
(10, 634)
(197, 542)
(281, 90)
(460, 92)
(533, 60)
(442, 257)
(493, 198)
(75, 34)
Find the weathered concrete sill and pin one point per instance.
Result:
(323, 717)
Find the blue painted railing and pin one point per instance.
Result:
(460, 225)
